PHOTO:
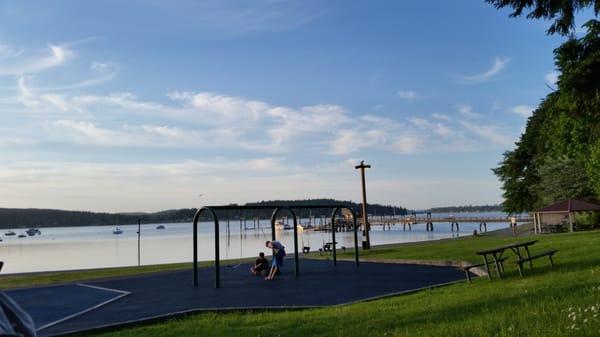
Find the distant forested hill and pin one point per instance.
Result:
(371, 208)
(31, 217)
(469, 208)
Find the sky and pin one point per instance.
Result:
(149, 105)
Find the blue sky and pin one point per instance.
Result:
(148, 105)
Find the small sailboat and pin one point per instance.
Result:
(10, 233)
(22, 235)
(160, 227)
(117, 231)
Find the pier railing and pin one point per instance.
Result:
(379, 220)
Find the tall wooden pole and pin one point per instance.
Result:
(366, 238)
(139, 232)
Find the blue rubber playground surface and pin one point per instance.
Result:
(77, 307)
(52, 305)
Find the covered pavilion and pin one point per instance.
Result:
(561, 212)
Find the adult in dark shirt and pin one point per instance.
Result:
(279, 254)
(261, 265)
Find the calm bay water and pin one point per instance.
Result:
(67, 248)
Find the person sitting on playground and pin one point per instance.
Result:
(277, 263)
(261, 265)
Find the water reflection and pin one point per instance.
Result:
(65, 248)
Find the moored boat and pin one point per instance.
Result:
(280, 225)
(33, 231)
(117, 231)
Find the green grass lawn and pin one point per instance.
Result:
(559, 301)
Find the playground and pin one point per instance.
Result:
(482, 308)
(352, 281)
(77, 307)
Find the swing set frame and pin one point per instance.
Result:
(276, 209)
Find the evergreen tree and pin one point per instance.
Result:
(558, 155)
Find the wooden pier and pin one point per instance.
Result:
(409, 221)
(380, 220)
(387, 221)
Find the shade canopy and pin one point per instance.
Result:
(568, 206)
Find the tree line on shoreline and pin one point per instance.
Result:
(35, 217)
(32, 217)
(466, 209)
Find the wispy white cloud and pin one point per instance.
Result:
(551, 78)
(489, 132)
(280, 123)
(522, 110)
(55, 56)
(439, 116)
(202, 120)
(25, 96)
(89, 133)
(126, 135)
(407, 144)
(233, 122)
(101, 72)
(57, 101)
(7, 51)
(227, 19)
(436, 128)
(407, 95)
(467, 111)
(383, 134)
(354, 140)
(420, 122)
(102, 186)
(12, 142)
(497, 66)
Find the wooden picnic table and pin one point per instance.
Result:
(496, 254)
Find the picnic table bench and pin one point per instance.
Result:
(495, 255)
(468, 268)
(548, 253)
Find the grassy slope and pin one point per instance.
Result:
(537, 305)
